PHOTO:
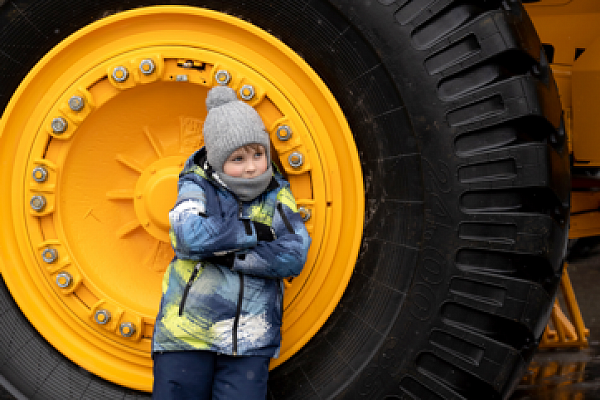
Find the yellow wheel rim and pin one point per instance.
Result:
(98, 132)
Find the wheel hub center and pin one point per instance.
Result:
(155, 194)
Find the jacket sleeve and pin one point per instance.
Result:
(283, 257)
(197, 233)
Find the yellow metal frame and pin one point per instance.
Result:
(86, 267)
(573, 30)
(585, 214)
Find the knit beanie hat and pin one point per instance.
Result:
(230, 124)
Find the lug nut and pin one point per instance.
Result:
(76, 103)
(247, 92)
(49, 255)
(40, 174)
(59, 125)
(38, 203)
(147, 66)
(223, 77)
(284, 133)
(63, 280)
(120, 74)
(296, 159)
(127, 329)
(102, 317)
(305, 213)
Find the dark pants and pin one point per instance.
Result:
(204, 375)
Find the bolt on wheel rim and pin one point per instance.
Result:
(112, 134)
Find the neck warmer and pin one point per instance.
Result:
(247, 189)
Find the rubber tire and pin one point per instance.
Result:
(458, 125)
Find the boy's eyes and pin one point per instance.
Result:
(241, 157)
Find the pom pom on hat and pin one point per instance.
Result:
(218, 96)
(230, 124)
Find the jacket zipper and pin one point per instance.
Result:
(238, 312)
(188, 285)
(245, 221)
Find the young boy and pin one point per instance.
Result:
(236, 233)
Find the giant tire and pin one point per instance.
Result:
(457, 121)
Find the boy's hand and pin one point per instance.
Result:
(263, 232)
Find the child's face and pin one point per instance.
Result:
(246, 162)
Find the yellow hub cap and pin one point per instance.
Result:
(99, 131)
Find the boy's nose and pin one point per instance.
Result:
(251, 167)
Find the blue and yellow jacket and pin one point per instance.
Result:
(223, 290)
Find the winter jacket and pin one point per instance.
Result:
(223, 290)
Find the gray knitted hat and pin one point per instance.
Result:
(230, 124)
